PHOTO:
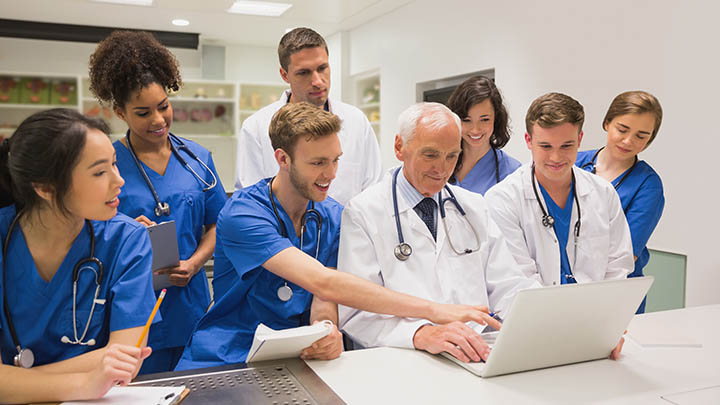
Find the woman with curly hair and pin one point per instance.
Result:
(167, 177)
(485, 129)
(631, 122)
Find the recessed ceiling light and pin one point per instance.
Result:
(264, 8)
(128, 2)
(180, 22)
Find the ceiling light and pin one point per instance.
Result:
(264, 8)
(180, 22)
(128, 2)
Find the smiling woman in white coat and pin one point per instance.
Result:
(563, 225)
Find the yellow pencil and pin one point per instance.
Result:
(152, 316)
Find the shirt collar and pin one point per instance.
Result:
(327, 106)
(409, 193)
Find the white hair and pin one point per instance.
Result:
(433, 115)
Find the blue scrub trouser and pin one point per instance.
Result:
(641, 308)
(162, 360)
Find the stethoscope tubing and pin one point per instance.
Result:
(591, 165)
(403, 250)
(311, 214)
(162, 207)
(75, 276)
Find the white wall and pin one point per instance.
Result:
(591, 51)
(242, 63)
(245, 63)
(38, 56)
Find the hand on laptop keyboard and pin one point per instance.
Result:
(456, 338)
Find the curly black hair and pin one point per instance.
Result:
(127, 61)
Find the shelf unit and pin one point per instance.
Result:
(366, 94)
(208, 112)
(254, 96)
(19, 98)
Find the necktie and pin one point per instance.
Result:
(426, 210)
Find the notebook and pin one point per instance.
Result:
(163, 237)
(270, 344)
(593, 316)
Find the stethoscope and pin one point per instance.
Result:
(548, 221)
(25, 357)
(403, 250)
(285, 293)
(592, 161)
(162, 207)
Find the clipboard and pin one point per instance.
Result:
(138, 396)
(163, 238)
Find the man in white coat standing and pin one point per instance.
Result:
(563, 225)
(408, 233)
(304, 65)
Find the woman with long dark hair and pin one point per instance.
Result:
(76, 282)
(485, 130)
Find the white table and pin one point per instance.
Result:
(641, 376)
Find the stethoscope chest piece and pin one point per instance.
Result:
(162, 209)
(548, 221)
(25, 358)
(403, 251)
(285, 293)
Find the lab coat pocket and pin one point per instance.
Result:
(464, 277)
(592, 257)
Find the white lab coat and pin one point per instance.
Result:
(604, 248)
(359, 167)
(368, 237)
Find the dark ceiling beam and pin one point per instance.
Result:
(86, 33)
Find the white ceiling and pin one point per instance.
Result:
(207, 17)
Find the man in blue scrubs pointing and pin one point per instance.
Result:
(277, 242)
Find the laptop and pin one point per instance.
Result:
(572, 323)
(163, 238)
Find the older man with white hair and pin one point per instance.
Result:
(414, 233)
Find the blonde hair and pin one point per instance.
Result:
(635, 102)
(553, 109)
(295, 120)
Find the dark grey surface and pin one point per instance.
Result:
(278, 382)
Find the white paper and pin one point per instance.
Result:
(135, 396)
(269, 344)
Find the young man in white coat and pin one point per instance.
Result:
(407, 233)
(304, 66)
(563, 225)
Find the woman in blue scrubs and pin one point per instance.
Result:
(631, 122)
(167, 178)
(482, 163)
(63, 226)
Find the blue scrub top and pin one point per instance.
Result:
(248, 234)
(562, 229)
(482, 176)
(191, 208)
(42, 311)
(642, 198)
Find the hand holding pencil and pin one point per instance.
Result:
(152, 316)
